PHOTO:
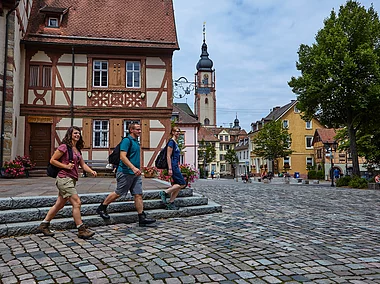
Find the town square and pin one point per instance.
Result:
(173, 141)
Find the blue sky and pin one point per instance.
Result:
(253, 44)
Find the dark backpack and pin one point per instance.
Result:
(161, 160)
(52, 171)
(114, 157)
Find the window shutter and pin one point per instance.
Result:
(86, 132)
(145, 134)
(116, 132)
(116, 77)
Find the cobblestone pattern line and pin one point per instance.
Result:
(267, 233)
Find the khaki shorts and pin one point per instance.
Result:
(66, 186)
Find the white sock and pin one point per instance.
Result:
(79, 226)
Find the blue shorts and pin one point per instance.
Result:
(178, 177)
(126, 183)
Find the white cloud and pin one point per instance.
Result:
(253, 44)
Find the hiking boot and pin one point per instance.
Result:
(102, 211)
(144, 221)
(84, 233)
(171, 206)
(163, 196)
(44, 229)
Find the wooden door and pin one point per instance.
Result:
(40, 141)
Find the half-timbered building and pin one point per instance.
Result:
(99, 65)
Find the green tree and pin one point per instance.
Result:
(272, 141)
(340, 76)
(206, 154)
(368, 146)
(232, 159)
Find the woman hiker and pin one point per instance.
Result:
(66, 180)
(173, 155)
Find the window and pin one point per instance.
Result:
(309, 162)
(133, 74)
(319, 153)
(287, 162)
(206, 121)
(126, 124)
(33, 76)
(100, 133)
(296, 110)
(285, 123)
(227, 147)
(309, 125)
(221, 137)
(175, 117)
(100, 73)
(309, 142)
(38, 73)
(46, 76)
(53, 22)
(206, 101)
(226, 138)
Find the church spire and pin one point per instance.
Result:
(205, 63)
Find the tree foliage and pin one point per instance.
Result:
(206, 152)
(368, 146)
(340, 72)
(232, 159)
(272, 141)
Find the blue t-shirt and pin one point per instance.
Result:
(176, 152)
(133, 154)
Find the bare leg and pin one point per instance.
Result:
(110, 198)
(76, 203)
(138, 203)
(174, 191)
(56, 207)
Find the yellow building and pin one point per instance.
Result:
(302, 133)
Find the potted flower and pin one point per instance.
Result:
(189, 173)
(12, 169)
(26, 162)
(150, 172)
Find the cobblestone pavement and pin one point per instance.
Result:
(267, 233)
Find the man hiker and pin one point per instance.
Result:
(128, 176)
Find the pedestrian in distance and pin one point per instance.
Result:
(128, 177)
(173, 156)
(377, 178)
(66, 181)
(336, 173)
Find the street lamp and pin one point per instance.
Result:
(182, 87)
(330, 147)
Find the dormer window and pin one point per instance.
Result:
(52, 22)
(53, 15)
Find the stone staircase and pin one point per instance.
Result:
(22, 215)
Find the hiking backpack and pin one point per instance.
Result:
(114, 157)
(161, 160)
(52, 171)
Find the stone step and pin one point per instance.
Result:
(22, 215)
(37, 214)
(23, 228)
(11, 203)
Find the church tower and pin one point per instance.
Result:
(205, 99)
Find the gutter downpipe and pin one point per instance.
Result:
(5, 84)
(72, 85)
